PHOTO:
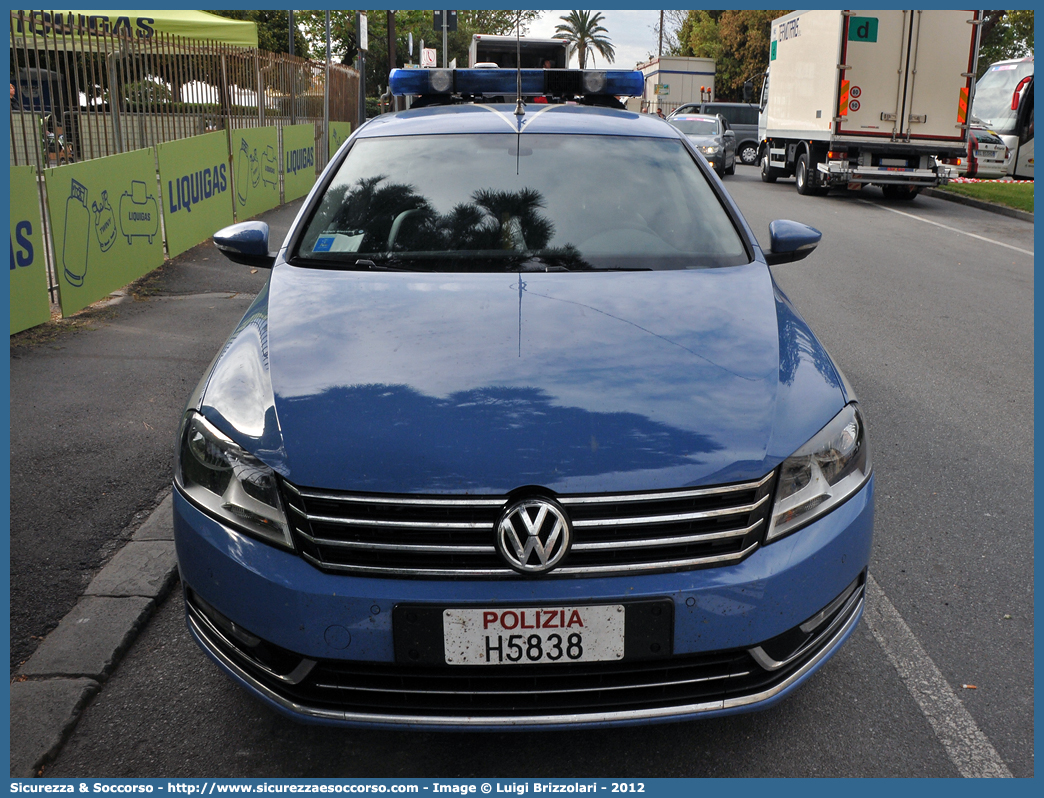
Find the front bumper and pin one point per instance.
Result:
(734, 628)
(717, 161)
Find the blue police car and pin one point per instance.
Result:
(521, 433)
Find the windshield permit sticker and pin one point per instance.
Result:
(323, 244)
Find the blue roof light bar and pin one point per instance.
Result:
(499, 81)
(535, 82)
(624, 83)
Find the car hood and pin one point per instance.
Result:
(578, 382)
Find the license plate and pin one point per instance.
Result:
(986, 153)
(533, 635)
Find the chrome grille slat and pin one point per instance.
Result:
(662, 519)
(674, 564)
(565, 570)
(444, 572)
(666, 541)
(427, 502)
(407, 547)
(453, 537)
(680, 494)
(322, 519)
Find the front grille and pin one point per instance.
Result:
(515, 696)
(453, 536)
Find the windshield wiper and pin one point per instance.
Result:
(369, 264)
(460, 263)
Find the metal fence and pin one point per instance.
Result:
(80, 94)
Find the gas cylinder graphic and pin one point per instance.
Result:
(242, 171)
(255, 169)
(139, 214)
(77, 238)
(104, 222)
(268, 167)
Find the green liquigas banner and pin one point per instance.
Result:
(195, 189)
(339, 133)
(255, 164)
(105, 225)
(298, 160)
(30, 304)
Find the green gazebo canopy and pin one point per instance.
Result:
(66, 29)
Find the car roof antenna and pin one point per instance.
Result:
(519, 110)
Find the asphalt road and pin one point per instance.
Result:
(934, 328)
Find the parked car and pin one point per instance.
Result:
(742, 119)
(988, 156)
(521, 433)
(712, 138)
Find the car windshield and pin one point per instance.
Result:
(503, 202)
(993, 95)
(697, 127)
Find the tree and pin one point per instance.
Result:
(273, 30)
(146, 92)
(417, 22)
(746, 37)
(583, 31)
(673, 19)
(1005, 35)
(738, 41)
(699, 37)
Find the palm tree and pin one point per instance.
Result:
(583, 31)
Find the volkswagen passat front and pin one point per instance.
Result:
(521, 434)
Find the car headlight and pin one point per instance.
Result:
(709, 149)
(230, 483)
(820, 475)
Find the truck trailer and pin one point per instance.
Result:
(855, 98)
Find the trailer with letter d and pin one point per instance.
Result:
(853, 98)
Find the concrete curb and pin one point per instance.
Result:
(66, 671)
(992, 207)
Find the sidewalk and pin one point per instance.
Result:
(95, 405)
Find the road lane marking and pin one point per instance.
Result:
(951, 229)
(971, 753)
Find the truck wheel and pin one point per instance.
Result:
(768, 174)
(748, 154)
(805, 181)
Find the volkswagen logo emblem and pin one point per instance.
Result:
(533, 535)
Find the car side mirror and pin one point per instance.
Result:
(246, 243)
(790, 241)
(729, 134)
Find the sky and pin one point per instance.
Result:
(631, 32)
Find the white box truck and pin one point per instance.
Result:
(854, 98)
(504, 51)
